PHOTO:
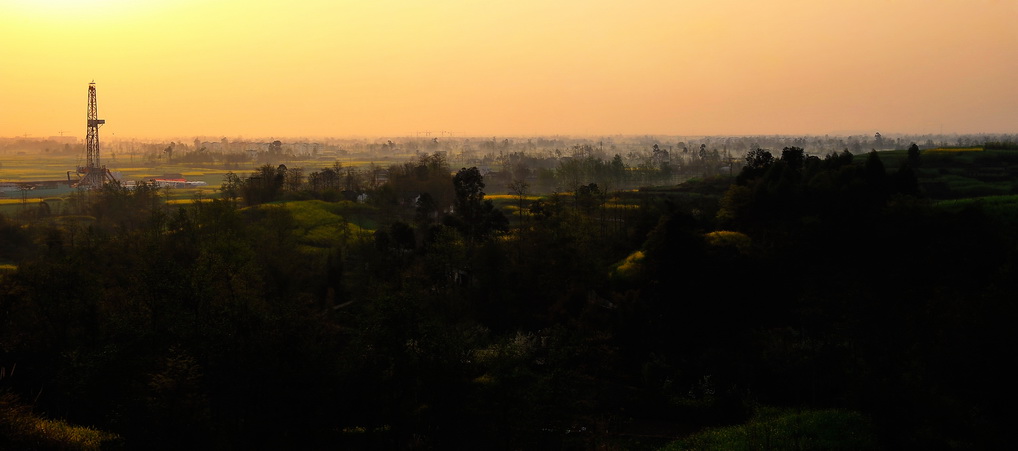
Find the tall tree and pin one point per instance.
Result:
(759, 158)
(795, 157)
(519, 188)
(475, 217)
(469, 187)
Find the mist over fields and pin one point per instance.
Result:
(686, 156)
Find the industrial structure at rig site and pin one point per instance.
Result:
(93, 174)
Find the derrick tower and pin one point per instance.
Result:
(93, 174)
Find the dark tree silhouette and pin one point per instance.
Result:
(795, 157)
(913, 156)
(475, 217)
(759, 158)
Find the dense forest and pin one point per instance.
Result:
(428, 316)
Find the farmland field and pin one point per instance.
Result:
(23, 167)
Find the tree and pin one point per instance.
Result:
(351, 179)
(519, 188)
(875, 172)
(294, 179)
(468, 185)
(759, 158)
(913, 156)
(231, 187)
(402, 236)
(589, 197)
(757, 163)
(795, 157)
(425, 210)
(276, 147)
(475, 217)
(264, 185)
(618, 170)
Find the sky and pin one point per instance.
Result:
(388, 68)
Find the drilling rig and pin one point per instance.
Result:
(93, 175)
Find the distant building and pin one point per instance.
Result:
(177, 183)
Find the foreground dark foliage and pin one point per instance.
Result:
(837, 286)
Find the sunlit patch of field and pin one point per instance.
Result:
(11, 172)
(11, 207)
(725, 238)
(17, 201)
(381, 161)
(186, 195)
(512, 197)
(316, 165)
(19, 167)
(25, 167)
(322, 225)
(631, 265)
(620, 206)
(187, 201)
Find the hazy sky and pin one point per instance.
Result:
(267, 68)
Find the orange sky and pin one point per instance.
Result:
(231, 68)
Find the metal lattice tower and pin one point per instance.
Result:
(94, 174)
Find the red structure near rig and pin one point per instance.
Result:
(93, 175)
